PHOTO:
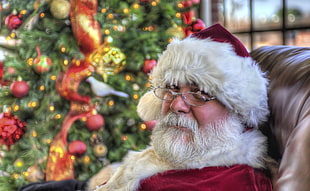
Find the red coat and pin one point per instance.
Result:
(234, 178)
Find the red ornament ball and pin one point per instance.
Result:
(95, 122)
(11, 129)
(198, 25)
(19, 89)
(149, 65)
(77, 148)
(42, 64)
(13, 21)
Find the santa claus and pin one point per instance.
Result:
(208, 99)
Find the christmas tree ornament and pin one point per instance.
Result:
(11, 129)
(77, 148)
(60, 9)
(108, 60)
(198, 25)
(102, 89)
(95, 139)
(34, 174)
(100, 150)
(19, 89)
(149, 65)
(13, 21)
(41, 63)
(95, 122)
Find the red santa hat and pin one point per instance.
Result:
(220, 65)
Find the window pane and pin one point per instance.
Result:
(267, 39)
(298, 38)
(267, 14)
(237, 15)
(245, 39)
(217, 11)
(298, 13)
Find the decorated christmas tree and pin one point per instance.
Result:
(71, 79)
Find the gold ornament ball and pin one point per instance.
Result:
(34, 174)
(100, 150)
(60, 9)
(108, 60)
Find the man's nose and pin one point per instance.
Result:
(179, 105)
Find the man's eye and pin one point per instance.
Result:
(198, 96)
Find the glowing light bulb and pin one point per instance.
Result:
(136, 6)
(111, 103)
(126, 11)
(143, 126)
(127, 77)
(135, 96)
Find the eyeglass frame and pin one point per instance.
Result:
(175, 94)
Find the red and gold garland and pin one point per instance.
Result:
(86, 29)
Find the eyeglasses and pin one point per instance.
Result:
(191, 98)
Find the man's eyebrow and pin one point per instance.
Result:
(172, 86)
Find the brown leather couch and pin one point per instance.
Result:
(288, 128)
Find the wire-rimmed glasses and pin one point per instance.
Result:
(191, 98)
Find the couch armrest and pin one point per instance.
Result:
(288, 69)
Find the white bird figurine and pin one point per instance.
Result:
(102, 89)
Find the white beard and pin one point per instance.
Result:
(215, 144)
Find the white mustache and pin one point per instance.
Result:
(173, 119)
